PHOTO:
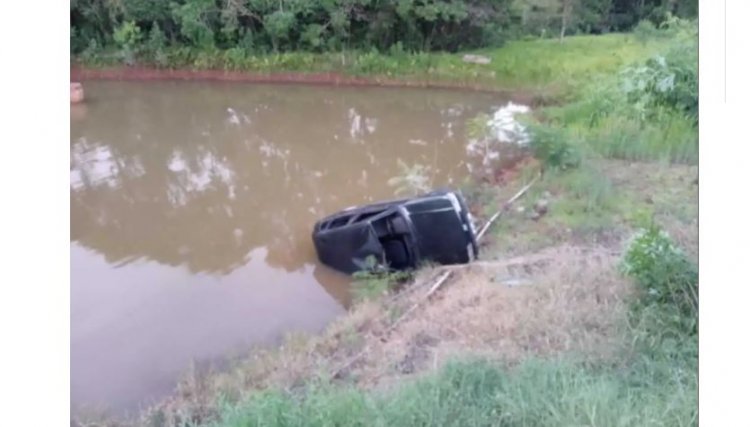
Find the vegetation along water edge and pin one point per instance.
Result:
(583, 308)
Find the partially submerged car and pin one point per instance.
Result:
(398, 235)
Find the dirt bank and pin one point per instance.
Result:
(79, 73)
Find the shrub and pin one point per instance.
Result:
(157, 41)
(279, 25)
(91, 52)
(645, 31)
(127, 35)
(666, 278)
(553, 147)
(196, 21)
(668, 80)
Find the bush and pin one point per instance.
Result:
(128, 35)
(157, 41)
(553, 147)
(197, 20)
(645, 31)
(667, 280)
(669, 80)
(128, 38)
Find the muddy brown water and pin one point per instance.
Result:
(192, 206)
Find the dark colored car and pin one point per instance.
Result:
(399, 234)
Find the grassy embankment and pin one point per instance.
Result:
(541, 66)
(567, 320)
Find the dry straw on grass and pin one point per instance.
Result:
(558, 300)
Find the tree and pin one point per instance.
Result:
(565, 16)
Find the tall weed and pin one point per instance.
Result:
(554, 147)
(666, 278)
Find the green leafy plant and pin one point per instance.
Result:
(157, 44)
(669, 80)
(553, 147)
(312, 36)
(91, 52)
(666, 278)
(279, 24)
(197, 20)
(156, 39)
(645, 31)
(128, 37)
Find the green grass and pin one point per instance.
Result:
(620, 134)
(583, 203)
(673, 138)
(643, 108)
(655, 391)
(571, 63)
(543, 64)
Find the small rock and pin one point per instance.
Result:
(541, 206)
(476, 59)
(520, 209)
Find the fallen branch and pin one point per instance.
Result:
(505, 207)
(496, 264)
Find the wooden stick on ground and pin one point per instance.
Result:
(505, 207)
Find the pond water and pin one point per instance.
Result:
(192, 206)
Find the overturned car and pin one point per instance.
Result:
(399, 234)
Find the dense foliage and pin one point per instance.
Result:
(256, 26)
(669, 80)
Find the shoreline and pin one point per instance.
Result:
(80, 73)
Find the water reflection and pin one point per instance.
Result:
(199, 176)
(195, 199)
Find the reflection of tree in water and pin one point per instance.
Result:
(173, 176)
